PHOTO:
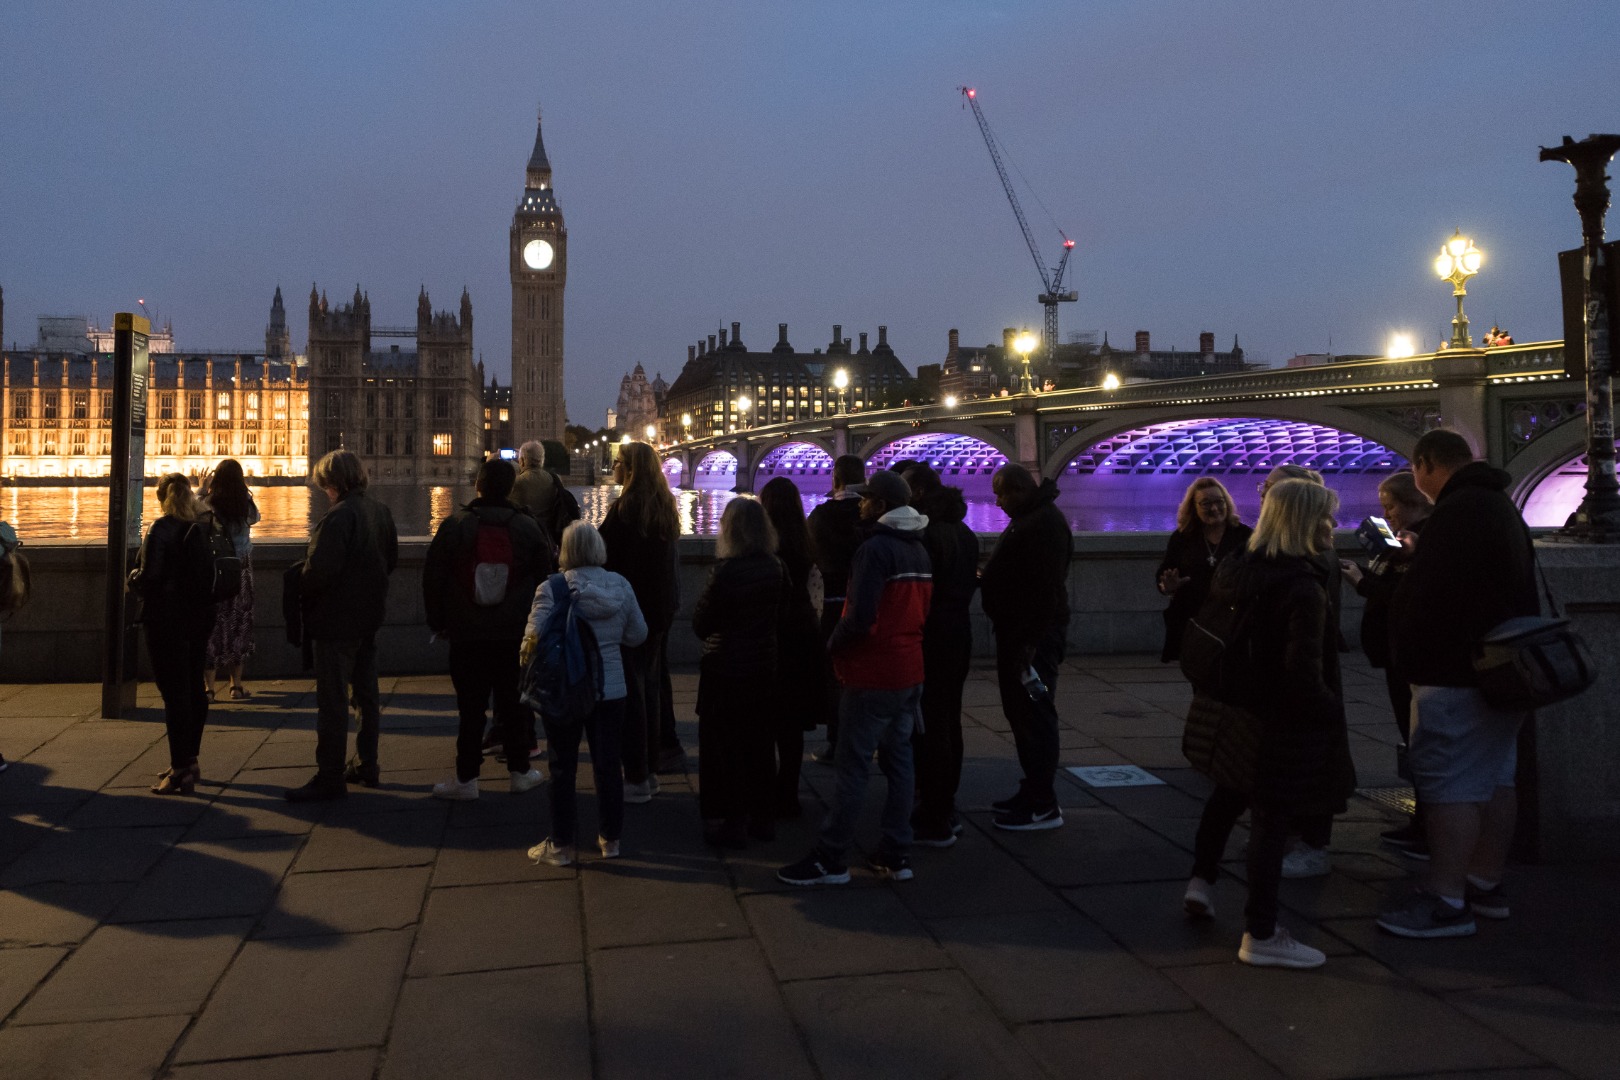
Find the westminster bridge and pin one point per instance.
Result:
(1515, 404)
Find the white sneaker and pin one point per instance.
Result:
(610, 848)
(527, 781)
(636, 794)
(1199, 900)
(652, 783)
(453, 788)
(552, 853)
(1306, 862)
(1280, 950)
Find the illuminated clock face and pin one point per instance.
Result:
(537, 254)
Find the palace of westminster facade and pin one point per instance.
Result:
(417, 414)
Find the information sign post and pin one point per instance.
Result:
(130, 374)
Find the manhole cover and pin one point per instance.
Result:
(1400, 799)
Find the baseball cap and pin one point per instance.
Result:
(888, 486)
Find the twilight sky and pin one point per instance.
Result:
(1280, 170)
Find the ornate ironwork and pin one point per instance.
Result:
(1412, 419)
(1057, 433)
(1525, 421)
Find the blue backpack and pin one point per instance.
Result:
(564, 678)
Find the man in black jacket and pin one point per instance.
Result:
(478, 582)
(947, 647)
(1473, 569)
(835, 533)
(345, 590)
(1026, 595)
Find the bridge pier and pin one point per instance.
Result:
(745, 467)
(840, 437)
(1026, 434)
(1463, 409)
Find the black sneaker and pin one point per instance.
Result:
(1489, 903)
(318, 790)
(1421, 914)
(365, 775)
(813, 869)
(893, 867)
(933, 836)
(1028, 819)
(1011, 803)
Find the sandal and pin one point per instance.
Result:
(240, 693)
(176, 781)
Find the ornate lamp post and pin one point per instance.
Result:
(841, 383)
(1110, 381)
(686, 426)
(1025, 344)
(1598, 516)
(1458, 261)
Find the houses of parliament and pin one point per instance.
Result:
(411, 400)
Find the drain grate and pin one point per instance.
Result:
(1400, 799)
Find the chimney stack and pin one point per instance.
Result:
(1142, 347)
(691, 353)
(863, 341)
(883, 336)
(711, 343)
(722, 339)
(736, 334)
(781, 333)
(1206, 343)
(953, 346)
(837, 333)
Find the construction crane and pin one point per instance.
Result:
(1052, 279)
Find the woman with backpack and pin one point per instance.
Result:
(737, 617)
(178, 612)
(1275, 740)
(607, 605)
(801, 661)
(640, 530)
(225, 495)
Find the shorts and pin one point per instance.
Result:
(1462, 748)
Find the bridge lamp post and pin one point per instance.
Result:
(1110, 381)
(1025, 344)
(950, 401)
(841, 383)
(1401, 347)
(652, 433)
(686, 426)
(1458, 261)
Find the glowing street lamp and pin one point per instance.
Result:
(1110, 381)
(1401, 347)
(1024, 343)
(950, 401)
(1458, 261)
(686, 425)
(841, 383)
(652, 432)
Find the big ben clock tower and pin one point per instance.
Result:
(539, 262)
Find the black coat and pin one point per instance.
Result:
(801, 662)
(1025, 585)
(835, 533)
(647, 563)
(1188, 555)
(1377, 586)
(1473, 569)
(447, 592)
(345, 585)
(953, 550)
(166, 578)
(737, 618)
(1300, 745)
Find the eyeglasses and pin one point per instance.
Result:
(1211, 504)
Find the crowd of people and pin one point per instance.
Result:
(857, 618)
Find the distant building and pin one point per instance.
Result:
(76, 334)
(498, 430)
(415, 415)
(638, 403)
(1145, 363)
(1315, 359)
(969, 371)
(780, 385)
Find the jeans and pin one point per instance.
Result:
(344, 668)
(479, 670)
(603, 731)
(736, 767)
(946, 658)
(1268, 840)
(643, 688)
(1034, 723)
(178, 668)
(882, 720)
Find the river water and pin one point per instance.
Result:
(1098, 503)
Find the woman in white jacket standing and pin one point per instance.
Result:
(608, 604)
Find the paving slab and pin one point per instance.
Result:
(150, 969)
(974, 876)
(817, 933)
(346, 902)
(302, 994)
(56, 913)
(21, 970)
(1096, 846)
(333, 1065)
(711, 1004)
(211, 879)
(235, 814)
(106, 1050)
(1579, 1036)
(29, 783)
(349, 841)
(91, 855)
(525, 1022)
(131, 807)
(1350, 1018)
(487, 927)
(1054, 966)
(1187, 1044)
(652, 899)
(914, 1024)
(491, 855)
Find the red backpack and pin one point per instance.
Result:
(493, 563)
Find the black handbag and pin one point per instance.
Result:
(1533, 661)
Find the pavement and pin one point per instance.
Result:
(232, 935)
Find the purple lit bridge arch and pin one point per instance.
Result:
(809, 465)
(714, 471)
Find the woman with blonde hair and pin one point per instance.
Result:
(178, 613)
(608, 604)
(640, 530)
(1207, 530)
(1279, 748)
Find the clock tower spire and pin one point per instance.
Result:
(538, 258)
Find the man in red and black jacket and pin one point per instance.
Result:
(877, 654)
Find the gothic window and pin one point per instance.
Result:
(334, 406)
(442, 444)
(303, 444)
(194, 442)
(19, 442)
(371, 443)
(49, 448)
(79, 439)
(410, 443)
(279, 405)
(106, 404)
(530, 299)
(81, 405)
(410, 406)
(19, 405)
(545, 344)
(278, 443)
(194, 406)
(388, 404)
(371, 404)
(250, 443)
(388, 443)
(48, 401)
(165, 442)
(223, 401)
(441, 407)
(545, 305)
(250, 407)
